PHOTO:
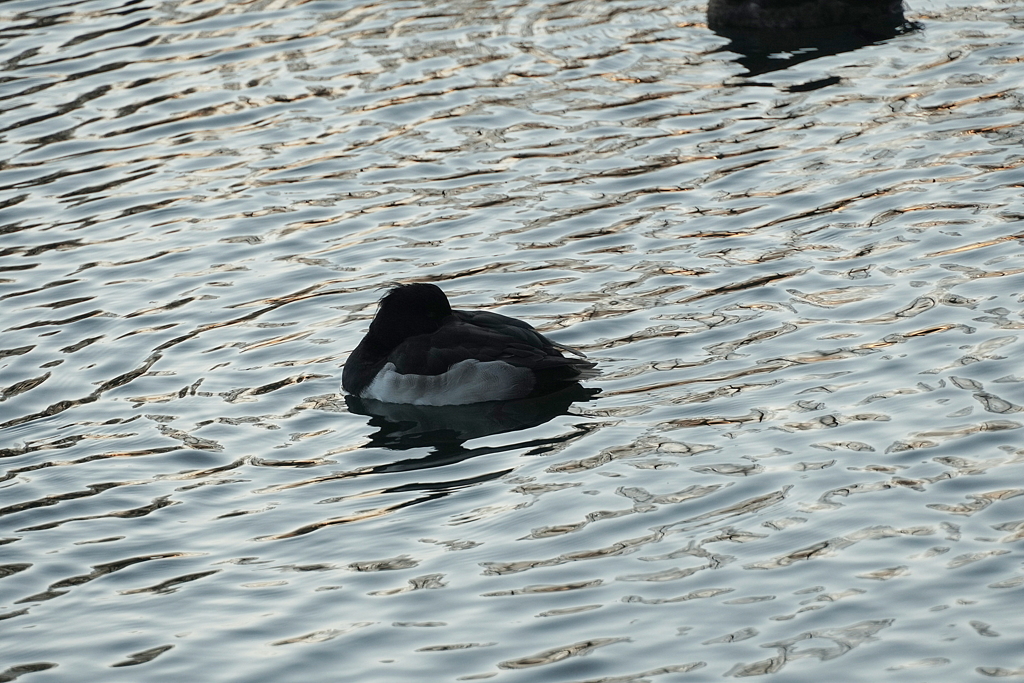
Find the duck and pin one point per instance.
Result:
(802, 15)
(421, 351)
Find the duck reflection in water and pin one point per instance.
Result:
(429, 375)
(403, 426)
(776, 34)
(445, 430)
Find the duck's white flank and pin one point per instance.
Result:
(468, 381)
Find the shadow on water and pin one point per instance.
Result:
(763, 52)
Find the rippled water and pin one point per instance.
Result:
(803, 286)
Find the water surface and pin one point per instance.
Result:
(803, 287)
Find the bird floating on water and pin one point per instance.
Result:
(421, 351)
(802, 15)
